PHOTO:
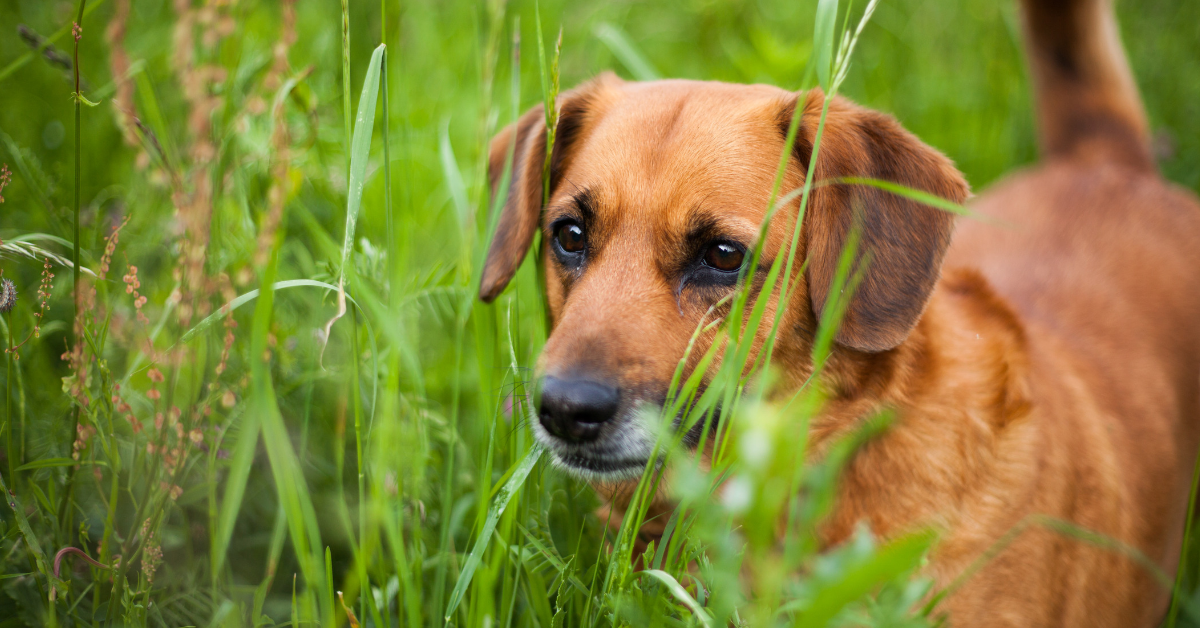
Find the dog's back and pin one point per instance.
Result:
(1100, 259)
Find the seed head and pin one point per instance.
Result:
(5, 179)
(8, 295)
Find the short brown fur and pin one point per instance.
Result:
(1045, 362)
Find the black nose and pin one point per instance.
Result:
(574, 409)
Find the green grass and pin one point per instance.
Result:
(371, 453)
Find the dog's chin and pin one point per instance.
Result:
(598, 470)
(613, 458)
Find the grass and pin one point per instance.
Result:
(309, 419)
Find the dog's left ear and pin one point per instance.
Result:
(577, 111)
(905, 240)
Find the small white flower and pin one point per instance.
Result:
(737, 494)
(755, 447)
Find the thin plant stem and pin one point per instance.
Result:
(8, 397)
(64, 510)
(1173, 612)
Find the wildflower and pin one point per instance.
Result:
(118, 61)
(5, 179)
(155, 375)
(43, 295)
(738, 495)
(76, 31)
(131, 280)
(151, 555)
(110, 247)
(132, 283)
(230, 324)
(8, 295)
(84, 434)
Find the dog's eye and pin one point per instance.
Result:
(724, 256)
(570, 237)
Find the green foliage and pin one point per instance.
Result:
(219, 167)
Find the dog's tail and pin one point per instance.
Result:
(1088, 104)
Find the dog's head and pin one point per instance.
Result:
(657, 192)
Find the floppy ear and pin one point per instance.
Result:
(903, 241)
(523, 205)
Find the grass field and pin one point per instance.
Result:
(230, 454)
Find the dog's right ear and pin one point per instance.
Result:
(904, 239)
(577, 111)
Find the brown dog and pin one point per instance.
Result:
(1047, 362)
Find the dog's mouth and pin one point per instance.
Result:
(622, 449)
(599, 468)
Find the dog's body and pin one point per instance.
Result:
(1050, 366)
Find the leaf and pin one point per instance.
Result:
(81, 99)
(551, 555)
(550, 88)
(454, 178)
(34, 252)
(360, 149)
(290, 485)
(235, 487)
(360, 152)
(823, 36)
(624, 50)
(888, 563)
(919, 196)
(250, 296)
(519, 474)
(53, 462)
(680, 594)
(26, 531)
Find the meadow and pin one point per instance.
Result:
(247, 377)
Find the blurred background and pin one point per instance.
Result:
(185, 144)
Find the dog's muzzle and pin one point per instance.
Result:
(593, 429)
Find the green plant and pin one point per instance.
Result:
(288, 279)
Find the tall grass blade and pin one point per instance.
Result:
(235, 487)
(360, 150)
(511, 488)
(243, 299)
(453, 176)
(823, 38)
(912, 194)
(681, 594)
(346, 103)
(1184, 554)
(889, 562)
(625, 52)
(58, 34)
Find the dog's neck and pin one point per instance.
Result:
(954, 385)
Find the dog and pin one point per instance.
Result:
(1043, 361)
